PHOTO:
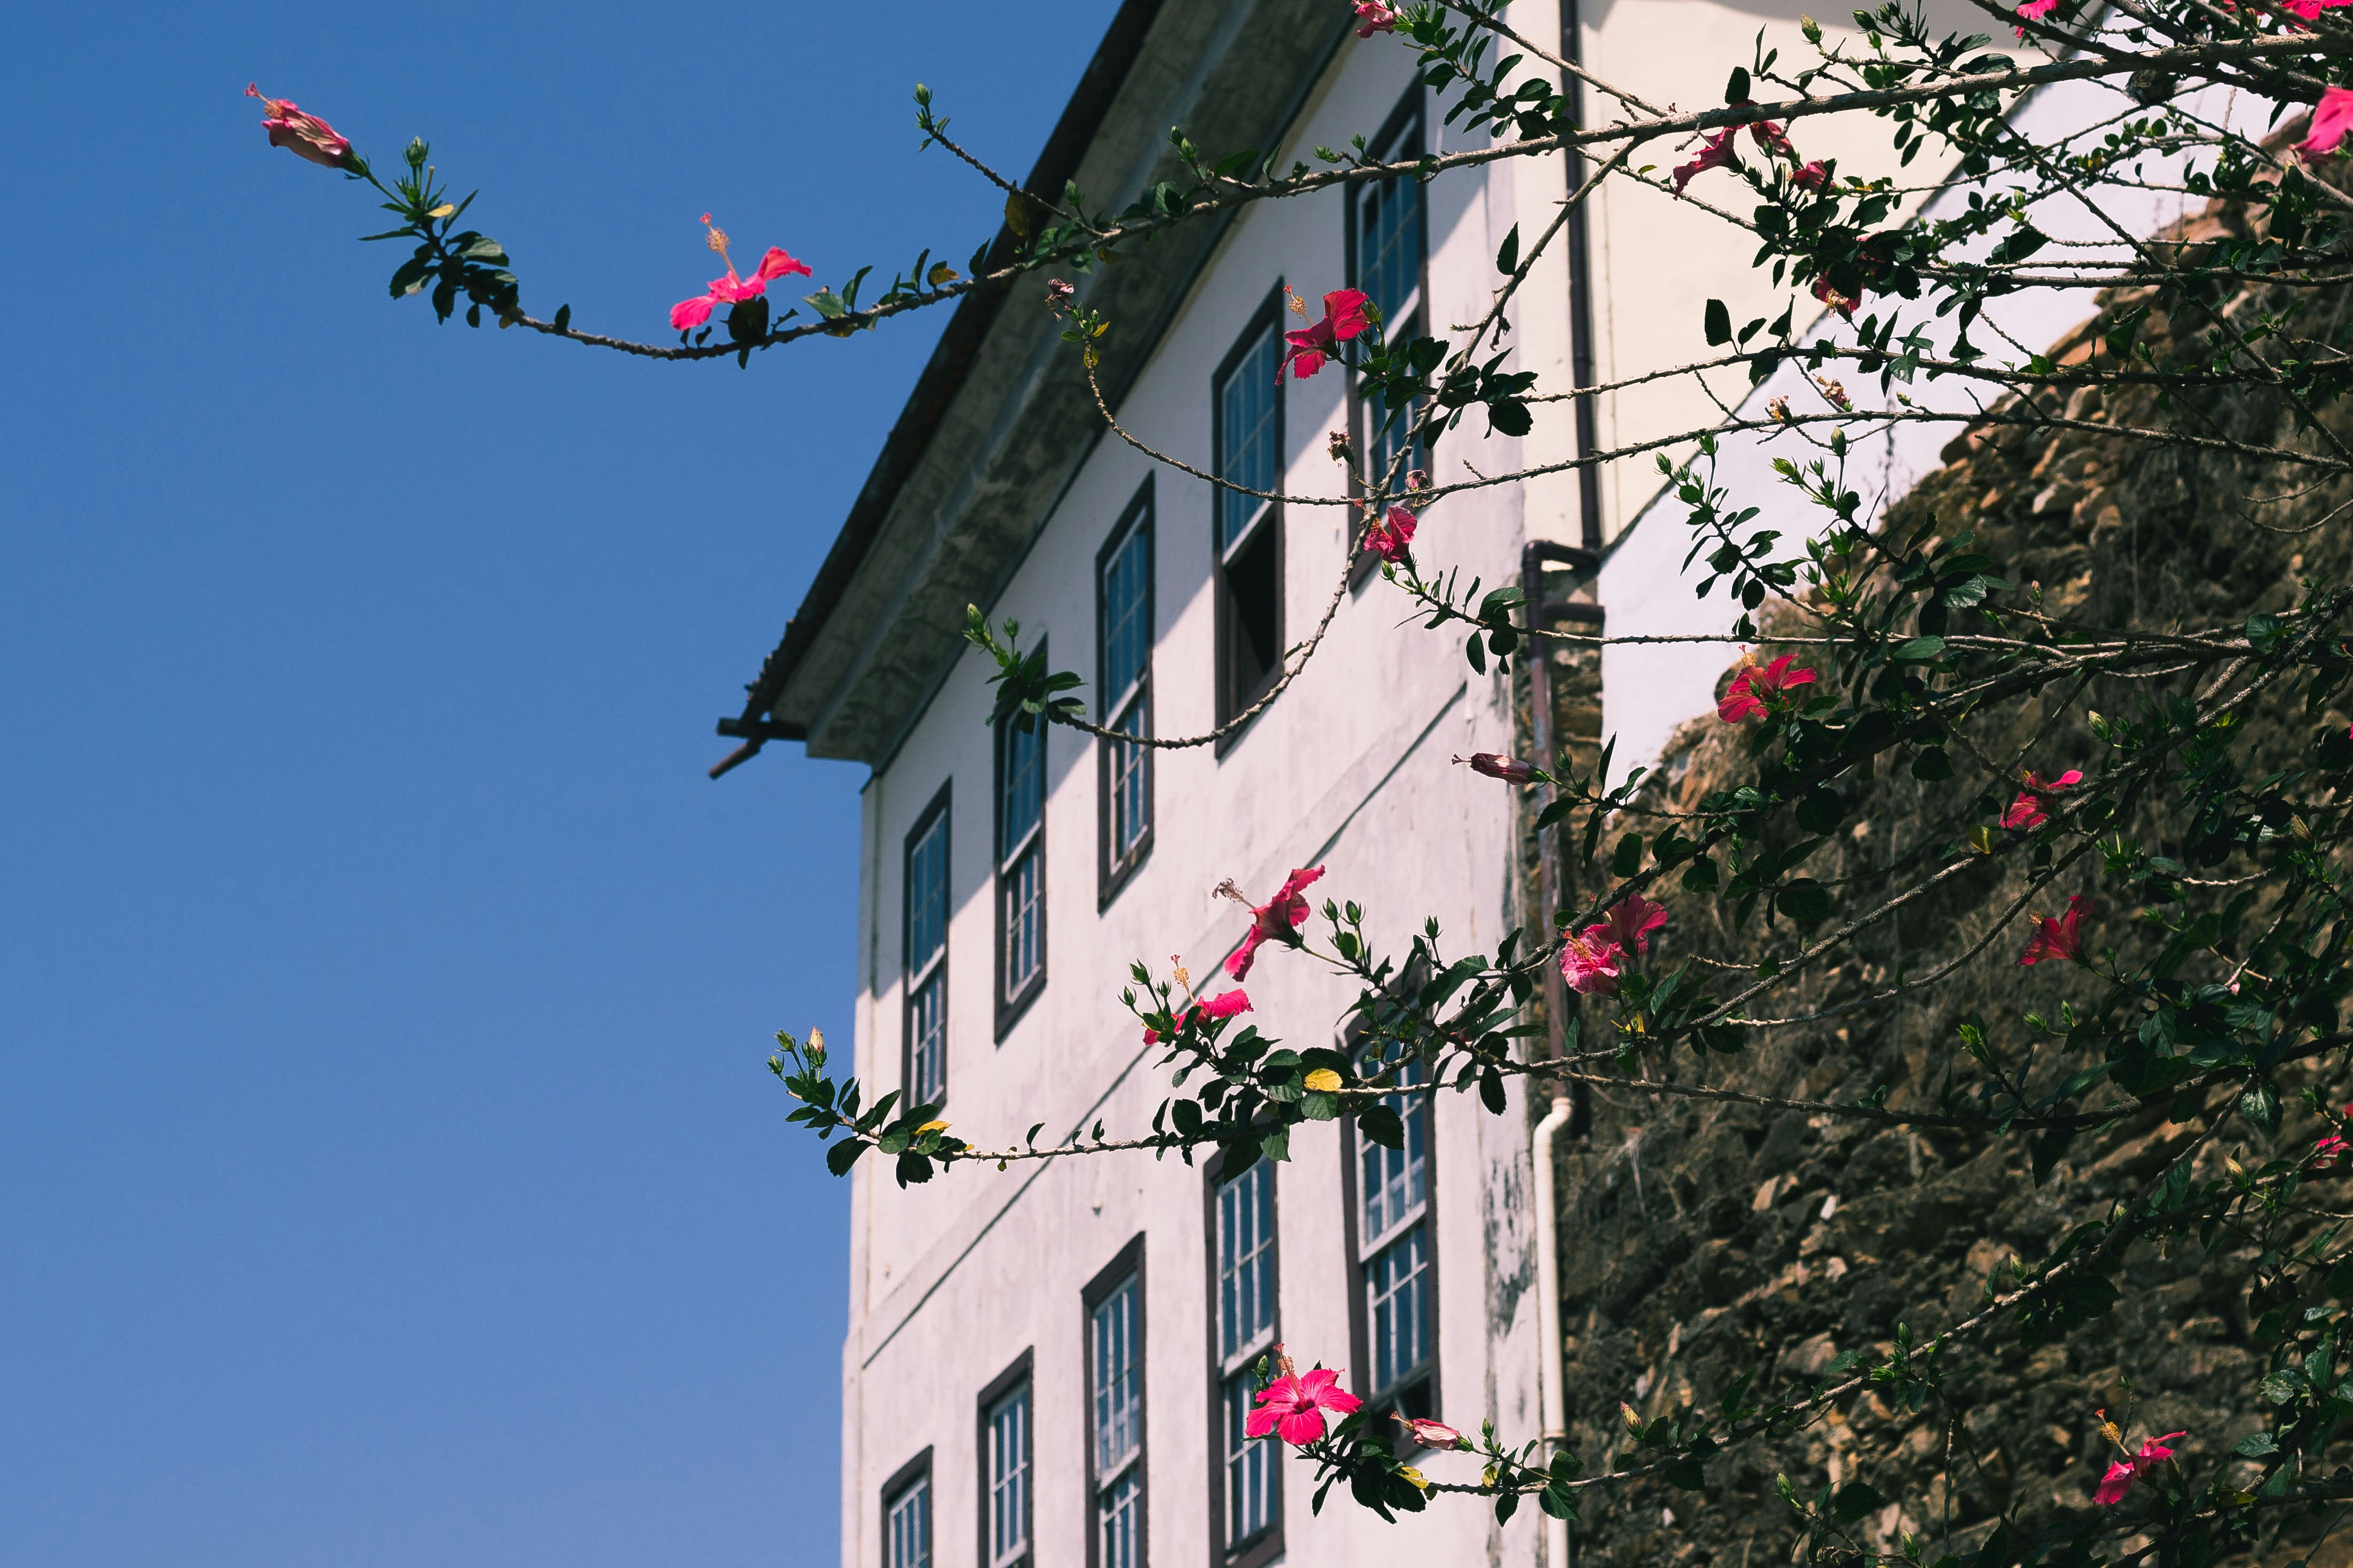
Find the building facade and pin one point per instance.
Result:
(1049, 1366)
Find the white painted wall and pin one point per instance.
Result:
(1351, 768)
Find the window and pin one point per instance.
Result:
(1020, 865)
(924, 1069)
(907, 1515)
(1386, 246)
(1115, 1353)
(1246, 1486)
(1005, 1469)
(1123, 677)
(1397, 1307)
(1248, 428)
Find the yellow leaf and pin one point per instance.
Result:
(447, 209)
(1016, 215)
(1416, 1477)
(1323, 1081)
(933, 1126)
(941, 272)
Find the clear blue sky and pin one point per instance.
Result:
(389, 1173)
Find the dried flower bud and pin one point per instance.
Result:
(1336, 445)
(1058, 295)
(1495, 765)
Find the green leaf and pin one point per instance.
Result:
(1382, 1124)
(844, 1155)
(1718, 322)
(1736, 89)
(1627, 859)
(1920, 650)
(1803, 901)
(1930, 763)
(1855, 1499)
(1820, 811)
(1491, 1091)
(1507, 260)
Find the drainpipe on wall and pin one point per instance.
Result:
(1552, 1397)
(1580, 291)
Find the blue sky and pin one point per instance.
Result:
(388, 1168)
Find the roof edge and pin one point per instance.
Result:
(943, 378)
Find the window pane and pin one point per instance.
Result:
(1025, 919)
(1118, 1386)
(1022, 792)
(927, 1045)
(1393, 1179)
(1253, 1468)
(1396, 1287)
(1386, 431)
(1246, 1261)
(1008, 1478)
(1389, 232)
(910, 1543)
(1131, 810)
(1126, 629)
(1120, 1511)
(927, 895)
(1246, 410)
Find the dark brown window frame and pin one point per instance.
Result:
(1012, 1377)
(938, 810)
(1267, 318)
(905, 1475)
(1114, 872)
(1266, 1546)
(1128, 1260)
(1360, 1343)
(1414, 106)
(1010, 1008)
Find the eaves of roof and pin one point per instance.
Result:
(1001, 416)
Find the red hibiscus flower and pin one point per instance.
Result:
(1279, 917)
(2330, 121)
(732, 290)
(2060, 938)
(1375, 17)
(1757, 685)
(1388, 539)
(1591, 962)
(1630, 922)
(2025, 811)
(2131, 1468)
(1223, 1006)
(2035, 10)
(1344, 318)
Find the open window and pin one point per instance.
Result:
(1248, 419)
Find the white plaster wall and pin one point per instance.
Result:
(1351, 768)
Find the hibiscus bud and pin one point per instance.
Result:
(816, 1045)
(1432, 1434)
(1418, 481)
(306, 136)
(1497, 766)
(1811, 28)
(1633, 1421)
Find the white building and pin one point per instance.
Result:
(1041, 1364)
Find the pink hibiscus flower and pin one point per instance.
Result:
(1293, 1406)
(1279, 917)
(2330, 121)
(732, 290)
(1375, 17)
(1591, 962)
(2025, 811)
(1495, 765)
(2060, 938)
(2131, 1468)
(1843, 304)
(1755, 684)
(1817, 175)
(2327, 1150)
(1225, 1005)
(1389, 538)
(1344, 318)
(1630, 922)
(2310, 10)
(305, 135)
(2035, 10)
(1715, 152)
